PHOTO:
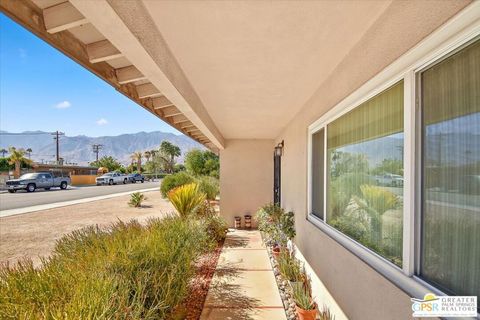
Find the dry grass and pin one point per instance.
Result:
(33, 235)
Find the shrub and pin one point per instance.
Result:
(136, 199)
(210, 186)
(277, 224)
(289, 266)
(216, 227)
(186, 199)
(127, 271)
(175, 180)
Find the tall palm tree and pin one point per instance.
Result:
(29, 152)
(147, 154)
(168, 153)
(17, 156)
(3, 151)
(137, 156)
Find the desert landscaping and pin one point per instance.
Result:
(33, 235)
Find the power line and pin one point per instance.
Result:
(56, 137)
(96, 149)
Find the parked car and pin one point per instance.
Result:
(389, 180)
(37, 180)
(112, 178)
(134, 177)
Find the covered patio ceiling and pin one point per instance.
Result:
(214, 70)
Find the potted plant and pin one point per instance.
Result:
(304, 305)
(290, 268)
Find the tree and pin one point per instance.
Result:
(3, 151)
(107, 162)
(29, 152)
(200, 162)
(137, 156)
(147, 154)
(17, 156)
(168, 152)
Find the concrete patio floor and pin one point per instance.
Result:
(243, 285)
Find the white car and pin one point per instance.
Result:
(111, 178)
(389, 180)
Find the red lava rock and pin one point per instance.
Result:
(198, 286)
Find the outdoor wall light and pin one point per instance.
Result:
(279, 149)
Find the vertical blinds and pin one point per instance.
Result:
(380, 116)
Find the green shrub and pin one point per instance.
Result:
(289, 266)
(216, 227)
(210, 186)
(136, 199)
(175, 180)
(127, 271)
(277, 224)
(186, 199)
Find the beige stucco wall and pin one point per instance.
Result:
(361, 292)
(246, 177)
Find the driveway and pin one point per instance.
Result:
(22, 199)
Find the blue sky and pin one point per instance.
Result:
(41, 89)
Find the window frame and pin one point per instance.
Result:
(448, 39)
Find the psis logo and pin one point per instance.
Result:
(444, 306)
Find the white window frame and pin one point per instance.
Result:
(457, 32)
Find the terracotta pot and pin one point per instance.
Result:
(276, 252)
(306, 314)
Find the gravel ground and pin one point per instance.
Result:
(33, 235)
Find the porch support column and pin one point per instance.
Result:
(246, 177)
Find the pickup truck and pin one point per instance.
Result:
(37, 180)
(111, 178)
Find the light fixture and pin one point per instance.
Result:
(279, 149)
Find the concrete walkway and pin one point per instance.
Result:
(243, 286)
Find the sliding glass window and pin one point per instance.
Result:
(365, 173)
(318, 156)
(450, 106)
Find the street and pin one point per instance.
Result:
(22, 199)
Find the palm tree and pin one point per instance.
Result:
(29, 152)
(168, 153)
(137, 156)
(16, 158)
(3, 151)
(147, 154)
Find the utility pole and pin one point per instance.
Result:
(96, 149)
(56, 136)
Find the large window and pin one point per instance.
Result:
(399, 173)
(365, 173)
(450, 105)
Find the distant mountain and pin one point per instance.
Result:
(78, 149)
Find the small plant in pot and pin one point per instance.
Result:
(290, 268)
(304, 305)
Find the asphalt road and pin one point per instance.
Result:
(22, 199)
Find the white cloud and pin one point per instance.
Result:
(102, 121)
(63, 105)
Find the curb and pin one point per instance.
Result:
(13, 212)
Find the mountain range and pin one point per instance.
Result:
(78, 149)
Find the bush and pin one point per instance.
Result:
(136, 199)
(186, 199)
(289, 266)
(175, 180)
(216, 227)
(210, 186)
(127, 271)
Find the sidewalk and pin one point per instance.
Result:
(243, 286)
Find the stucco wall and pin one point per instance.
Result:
(361, 292)
(246, 177)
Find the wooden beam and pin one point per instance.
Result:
(192, 130)
(161, 102)
(61, 17)
(180, 119)
(129, 74)
(102, 51)
(172, 113)
(190, 125)
(147, 90)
